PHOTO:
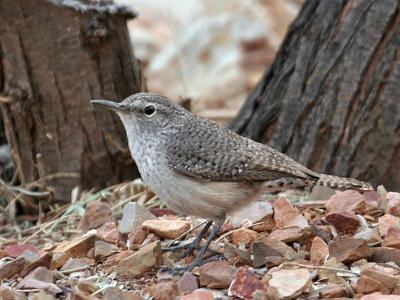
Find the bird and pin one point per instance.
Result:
(202, 169)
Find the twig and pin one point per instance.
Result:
(17, 160)
(46, 226)
(232, 231)
(77, 269)
(41, 171)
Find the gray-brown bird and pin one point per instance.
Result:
(200, 168)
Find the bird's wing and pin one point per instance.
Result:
(207, 151)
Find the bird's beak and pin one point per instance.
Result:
(115, 106)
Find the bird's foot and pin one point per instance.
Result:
(188, 268)
(189, 248)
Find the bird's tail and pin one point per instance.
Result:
(342, 183)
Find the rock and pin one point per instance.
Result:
(42, 295)
(387, 280)
(265, 247)
(34, 260)
(286, 235)
(343, 221)
(96, 214)
(288, 284)
(188, 283)
(216, 275)
(392, 239)
(133, 217)
(331, 276)
(113, 293)
(245, 284)
(29, 283)
(15, 251)
(7, 293)
(9, 269)
(116, 258)
(79, 246)
(285, 215)
(143, 260)
(198, 295)
(385, 255)
(137, 237)
(380, 297)
(164, 290)
(103, 250)
(58, 260)
(323, 231)
(232, 253)
(42, 274)
(167, 229)
(74, 263)
(387, 221)
(393, 204)
(159, 212)
(349, 250)
(252, 212)
(109, 232)
(349, 200)
(370, 235)
(244, 236)
(368, 285)
(334, 291)
(319, 250)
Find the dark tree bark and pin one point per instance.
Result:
(54, 57)
(331, 98)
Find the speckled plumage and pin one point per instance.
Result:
(201, 168)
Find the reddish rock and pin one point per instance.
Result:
(11, 268)
(245, 284)
(380, 297)
(167, 229)
(58, 260)
(96, 214)
(198, 295)
(79, 246)
(349, 250)
(334, 291)
(137, 237)
(323, 231)
(343, 221)
(42, 274)
(389, 281)
(187, 283)
(164, 290)
(393, 204)
(387, 221)
(216, 274)
(159, 212)
(116, 258)
(143, 260)
(370, 235)
(288, 284)
(29, 283)
(41, 295)
(286, 235)
(113, 293)
(368, 285)
(385, 255)
(349, 200)
(15, 251)
(103, 250)
(319, 250)
(34, 260)
(109, 232)
(285, 215)
(392, 239)
(244, 236)
(266, 246)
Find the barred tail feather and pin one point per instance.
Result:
(342, 183)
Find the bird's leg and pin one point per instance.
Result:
(198, 260)
(195, 244)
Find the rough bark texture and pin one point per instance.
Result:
(54, 57)
(330, 99)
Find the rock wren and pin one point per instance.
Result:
(200, 168)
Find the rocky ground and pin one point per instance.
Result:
(108, 246)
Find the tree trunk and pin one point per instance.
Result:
(330, 99)
(54, 58)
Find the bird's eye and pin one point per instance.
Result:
(149, 110)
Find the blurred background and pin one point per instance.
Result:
(211, 51)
